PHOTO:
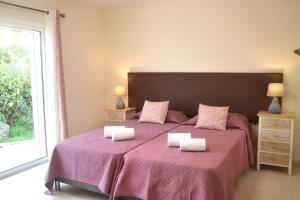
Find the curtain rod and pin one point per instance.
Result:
(28, 8)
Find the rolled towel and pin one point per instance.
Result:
(123, 134)
(174, 138)
(109, 129)
(193, 144)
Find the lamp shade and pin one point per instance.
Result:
(275, 90)
(120, 90)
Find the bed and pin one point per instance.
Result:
(93, 162)
(172, 174)
(90, 162)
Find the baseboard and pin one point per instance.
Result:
(296, 163)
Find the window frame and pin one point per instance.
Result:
(38, 77)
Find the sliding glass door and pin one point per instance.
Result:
(22, 119)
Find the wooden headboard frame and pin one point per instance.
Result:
(243, 92)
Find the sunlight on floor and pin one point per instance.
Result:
(18, 153)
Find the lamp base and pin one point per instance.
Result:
(120, 104)
(274, 106)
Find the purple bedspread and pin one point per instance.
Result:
(92, 159)
(155, 171)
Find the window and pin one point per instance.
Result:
(22, 112)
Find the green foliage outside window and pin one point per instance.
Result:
(15, 92)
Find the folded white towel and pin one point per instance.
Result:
(123, 134)
(174, 138)
(193, 144)
(109, 129)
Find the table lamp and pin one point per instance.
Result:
(119, 92)
(275, 90)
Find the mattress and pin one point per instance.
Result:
(92, 159)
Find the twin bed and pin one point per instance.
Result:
(146, 167)
(156, 171)
(92, 159)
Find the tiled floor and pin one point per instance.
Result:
(269, 183)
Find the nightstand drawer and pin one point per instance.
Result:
(276, 136)
(275, 139)
(277, 124)
(275, 147)
(116, 116)
(274, 159)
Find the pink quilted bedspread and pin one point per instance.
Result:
(92, 159)
(155, 171)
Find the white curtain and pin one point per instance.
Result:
(55, 104)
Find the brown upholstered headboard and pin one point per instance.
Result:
(243, 92)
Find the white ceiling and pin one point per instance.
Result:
(106, 2)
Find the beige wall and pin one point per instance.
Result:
(100, 45)
(83, 51)
(205, 36)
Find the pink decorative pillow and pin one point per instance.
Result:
(237, 120)
(136, 115)
(192, 121)
(173, 116)
(234, 120)
(154, 112)
(212, 117)
(176, 117)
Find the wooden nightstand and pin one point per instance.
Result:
(118, 115)
(275, 139)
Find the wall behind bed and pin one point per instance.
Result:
(205, 36)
